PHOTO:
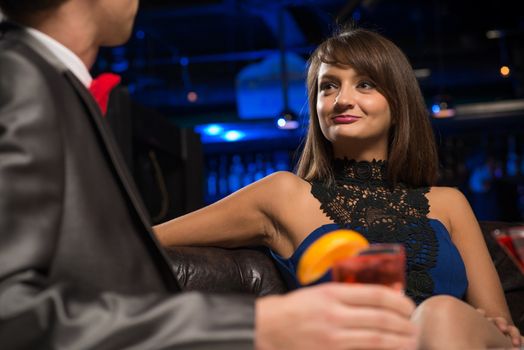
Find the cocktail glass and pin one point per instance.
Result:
(511, 240)
(382, 263)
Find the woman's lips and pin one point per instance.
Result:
(345, 119)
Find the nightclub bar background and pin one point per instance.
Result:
(214, 93)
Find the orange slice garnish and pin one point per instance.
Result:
(325, 251)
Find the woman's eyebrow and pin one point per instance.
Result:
(331, 76)
(328, 76)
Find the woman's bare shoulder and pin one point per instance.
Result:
(285, 182)
(446, 196)
(450, 206)
(276, 191)
(284, 176)
(445, 203)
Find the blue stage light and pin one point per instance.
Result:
(281, 122)
(140, 34)
(213, 129)
(184, 61)
(233, 135)
(120, 66)
(287, 121)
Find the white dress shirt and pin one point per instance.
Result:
(66, 56)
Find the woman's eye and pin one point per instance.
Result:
(327, 86)
(366, 85)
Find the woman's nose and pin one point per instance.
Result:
(344, 99)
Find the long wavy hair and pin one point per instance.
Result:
(412, 153)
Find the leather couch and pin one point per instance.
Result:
(251, 270)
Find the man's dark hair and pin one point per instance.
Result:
(18, 9)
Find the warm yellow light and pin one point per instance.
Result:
(504, 71)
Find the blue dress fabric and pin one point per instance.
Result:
(361, 197)
(448, 275)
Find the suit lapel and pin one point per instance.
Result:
(124, 176)
(110, 146)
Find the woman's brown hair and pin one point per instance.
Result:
(412, 154)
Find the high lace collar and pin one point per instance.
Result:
(351, 169)
(362, 200)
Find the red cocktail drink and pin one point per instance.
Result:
(380, 263)
(511, 240)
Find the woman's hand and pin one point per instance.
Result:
(507, 329)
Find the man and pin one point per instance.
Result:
(79, 266)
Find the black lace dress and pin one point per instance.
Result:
(362, 200)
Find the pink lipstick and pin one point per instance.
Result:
(345, 119)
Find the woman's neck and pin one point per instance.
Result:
(374, 170)
(360, 152)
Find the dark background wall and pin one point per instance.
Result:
(205, 81)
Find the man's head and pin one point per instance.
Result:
(108, 22)
(115, 20)
(19, 10)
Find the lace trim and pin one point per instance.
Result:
(362, 200)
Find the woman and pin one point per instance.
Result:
(369, 163)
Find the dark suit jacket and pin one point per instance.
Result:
(79, 266)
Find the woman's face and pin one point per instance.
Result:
(352, 114)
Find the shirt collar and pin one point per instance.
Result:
(64, 55)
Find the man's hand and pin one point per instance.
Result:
(335, 316)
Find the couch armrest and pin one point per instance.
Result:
(219, 270)
(511, 278)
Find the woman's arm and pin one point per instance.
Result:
(484, 290)
(248, 216)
